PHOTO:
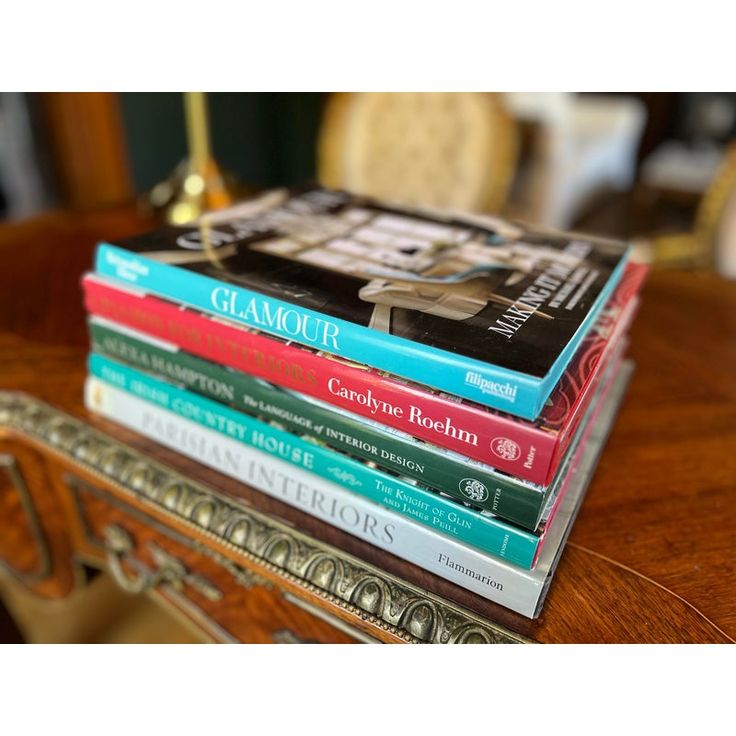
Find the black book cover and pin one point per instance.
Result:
(474, 286)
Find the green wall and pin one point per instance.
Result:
(264, 138)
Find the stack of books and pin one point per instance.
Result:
(438, 385)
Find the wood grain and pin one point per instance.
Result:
(651, 557)
(85, 133)
(255, 613)
(24, 548)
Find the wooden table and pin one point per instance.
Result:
(651, 557)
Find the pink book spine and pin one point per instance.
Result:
(470, 431)
(615, 364)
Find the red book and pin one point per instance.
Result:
(524, 449)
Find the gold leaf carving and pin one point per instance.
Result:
(371, 594)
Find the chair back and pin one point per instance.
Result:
(438, 149)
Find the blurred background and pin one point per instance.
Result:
(657, 168)
(654, 167)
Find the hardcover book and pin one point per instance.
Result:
(471, 305)
(529, 451)
(490, 577)
(439, 469)
(477, 528)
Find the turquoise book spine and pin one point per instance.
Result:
(519, 394)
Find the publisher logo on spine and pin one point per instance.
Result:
(494, 388)
(505, 448)
(473, 489)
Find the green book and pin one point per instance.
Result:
(391, 450)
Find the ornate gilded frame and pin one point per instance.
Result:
(261, 542)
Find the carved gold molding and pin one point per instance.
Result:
(355, 586)
(169, 569)
(242, 576)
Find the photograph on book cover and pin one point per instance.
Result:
(504, 308)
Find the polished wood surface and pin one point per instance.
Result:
(652, 555)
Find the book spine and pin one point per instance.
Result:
(394, 451)
(518, 448)
(487, 533)
(472, 379)
(491, 578)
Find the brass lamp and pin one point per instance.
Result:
(198, 184)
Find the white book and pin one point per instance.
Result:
(520, 590)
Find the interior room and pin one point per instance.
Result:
(107, 536)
